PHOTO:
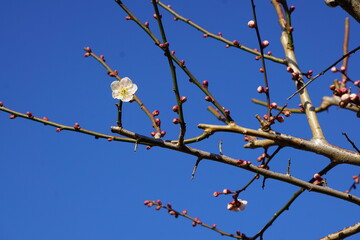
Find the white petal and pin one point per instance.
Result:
(115, 85)
(126, 98)
(132, 89)
(126, 81)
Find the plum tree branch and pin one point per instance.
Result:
(321, 147)
(235, 162)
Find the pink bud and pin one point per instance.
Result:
(273, 105)
(128, 18)
(77, 126)
(87, 54)
(251, 24)
(226, 191)
(58, 129)
(87, 49)
(280, 119)
(289, 69)
(155, 112)
(286, 113)
(29, 114)
(175, 108)
(176, 121)
(183, 99)
(354, 97)
(236, 43)
(182, 63)
(45, 118)
(219, 34)
(317, 176)
(184, 211)
(208, 98)
(156, 16)
(345, 97)
(147, 24)
(216, 194)
(260, 89)
(265, 43)
(334, 69)
(342, 68)
(158, 122)
(1, 104)
(205, 83)
(205, 35)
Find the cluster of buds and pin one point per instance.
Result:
(225, 192)
(88, 51)
(261, 89)
(345, 96)
(318, 179)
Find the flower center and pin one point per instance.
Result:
(123, 91)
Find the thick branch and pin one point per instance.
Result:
(286, 41)
(346, 232)
(237, 163)
(350, 6)
(321, 147)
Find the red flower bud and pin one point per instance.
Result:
(155, 112)
(205, 83)
(175, 108)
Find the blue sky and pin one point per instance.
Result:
(70, 186)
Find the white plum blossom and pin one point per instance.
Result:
(123, 89)
(237, 205)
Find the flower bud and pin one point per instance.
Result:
(175, 108)
(273, 105)
(236, 43)
(251, 24)
(265, 43)
(260, 89)
(183, 99)
(216, 194)
(158, 122)
(176, 121)
(334, 69)
(226, 191)
(205, 83)
(155, 113)
(280, 119)
(208, 98)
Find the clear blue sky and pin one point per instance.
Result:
(70, 186)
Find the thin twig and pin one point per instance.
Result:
(267, 93)
(351, 142)
(173, 74)
(217, 37)
(323, 72)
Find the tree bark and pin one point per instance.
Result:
(350, 6)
